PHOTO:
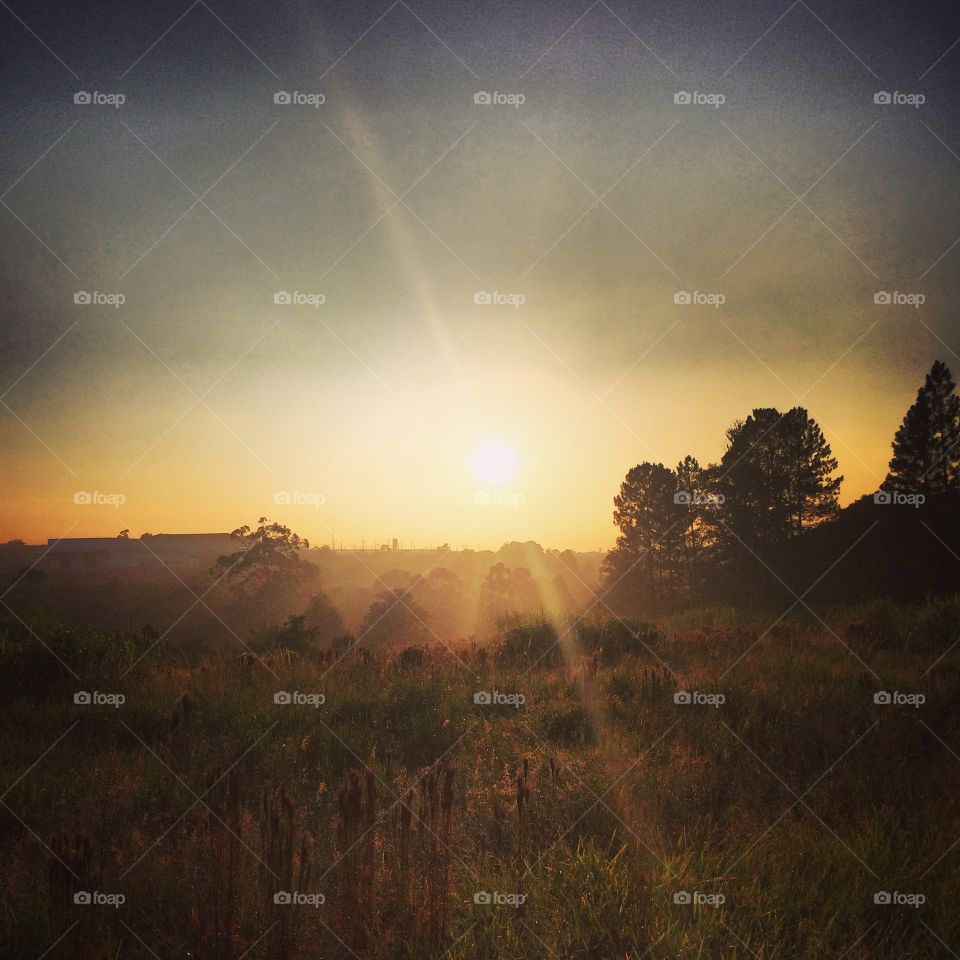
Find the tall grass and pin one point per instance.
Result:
(582, 811)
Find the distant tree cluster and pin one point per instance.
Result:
(697, 534)
(677, 526)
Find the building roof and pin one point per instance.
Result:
(161, 543)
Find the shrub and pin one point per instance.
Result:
(528, 642)
(612, 640)
(937, 625)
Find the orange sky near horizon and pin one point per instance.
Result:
(403, 468)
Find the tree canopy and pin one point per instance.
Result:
(926, 448)
(268, 554)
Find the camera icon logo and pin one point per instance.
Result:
(682, 498)
(882, 97)
(81, 296)
(483, 698)
(82, 96)
(83, 497)
(482, 898)
(482, 298)
(82, 898)
(282, 897)
(682, 897)
(83, 698)
(682, 298)
(883, 497)
(282, 297)
(882, 697)
(882, 298)
(282, 97)
(283, 697)
(682, 96)
(283, 498)
(683, 696)
(882, 897)
(482, 97)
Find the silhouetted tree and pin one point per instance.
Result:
(926, 448)
(638, 570)
(776, 478)
(813, 489)
(695, 508)
(269, 554)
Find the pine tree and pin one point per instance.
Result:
(645, 510)
(777, 476)
(696, 531)
(813, 490)
(926, 448)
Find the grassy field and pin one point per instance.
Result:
(586, 811)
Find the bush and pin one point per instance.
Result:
(528, 643)
(612, 640)
(937, 626)
(879, 625)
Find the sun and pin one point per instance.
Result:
(494, 463)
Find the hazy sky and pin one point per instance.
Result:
(399, 199)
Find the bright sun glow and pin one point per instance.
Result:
(494, 463)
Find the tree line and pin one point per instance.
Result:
(697, 534)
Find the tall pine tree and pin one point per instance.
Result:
(926, 448)
(777, 477)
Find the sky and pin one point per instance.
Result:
(481, 322)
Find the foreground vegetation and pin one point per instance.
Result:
(582, 800)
